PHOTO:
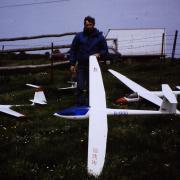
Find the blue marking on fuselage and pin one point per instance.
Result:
(74, 111)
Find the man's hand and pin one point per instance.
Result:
(97, 55)
(73, 69)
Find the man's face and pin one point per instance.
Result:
(89, 26)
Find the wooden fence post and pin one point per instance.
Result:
(52, 70)
(162, 47)
(116, 44)
(162, 57)
(174, 45)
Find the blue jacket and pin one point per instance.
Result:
(84, 45)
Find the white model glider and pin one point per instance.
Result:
(97, 113)
(137, 88)
(152, 96)
(134, 97)
(39, 98)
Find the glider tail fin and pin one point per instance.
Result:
(39, 96)
(169, 103)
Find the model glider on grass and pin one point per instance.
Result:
(97, 113)
(39, 98)
(135, 97)
(140, 92)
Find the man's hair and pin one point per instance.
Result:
(90, 19)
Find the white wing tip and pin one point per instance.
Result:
(91, 172)
(32, 85)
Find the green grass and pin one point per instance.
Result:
(46, 147)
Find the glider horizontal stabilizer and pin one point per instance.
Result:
(169, 103)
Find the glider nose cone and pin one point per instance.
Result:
(76, 112)
(121, 100)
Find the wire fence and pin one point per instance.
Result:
(151, 43)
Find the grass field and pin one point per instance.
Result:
(46, 147)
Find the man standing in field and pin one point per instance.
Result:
(86, 43)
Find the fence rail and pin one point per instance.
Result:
(37, 37)
(31, 68)
(35, 49)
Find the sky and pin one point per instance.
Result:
(37, 17)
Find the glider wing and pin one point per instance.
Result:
(97, 120)
(144, 93)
